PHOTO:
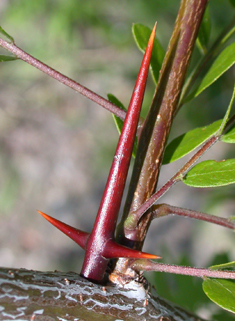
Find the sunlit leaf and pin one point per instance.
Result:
(211, 174)
(204, 31)
(222, 63)
(184, 144)
(141, 35)
(4, 33)
(221, 292)
(7, 58)
(118, 121)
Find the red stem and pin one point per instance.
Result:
(146, 265)
(95, 264)
(165, 209)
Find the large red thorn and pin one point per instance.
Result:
(106, 219)
(114, 250)
(99, 245)
(111, 250)
(76, 235)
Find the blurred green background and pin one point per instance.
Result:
(56, 147)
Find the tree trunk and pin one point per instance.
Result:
(33, 295)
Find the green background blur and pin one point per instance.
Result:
(56, 147)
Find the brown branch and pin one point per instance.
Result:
(158, 123)
(33, 295)
(62, 78)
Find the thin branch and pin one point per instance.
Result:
(146, 265)
(134, 217)
(161, 210)
(63, 79)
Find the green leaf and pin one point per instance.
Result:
(118, 121)
(7, 58)
(224, 266)
(204, 32)
(221, 292)
(141, 35)
(184, 144)
(3, 32)
(226, 116)
(211, 174)
(229, 136)
(222, 63)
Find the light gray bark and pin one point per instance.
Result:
(33, 295)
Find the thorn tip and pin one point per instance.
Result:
(76, 235)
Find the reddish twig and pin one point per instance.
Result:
(134, 217)
(146, 265)
(165, 209)
(63, 79)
